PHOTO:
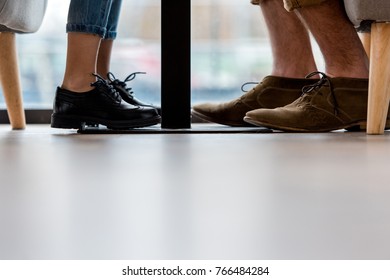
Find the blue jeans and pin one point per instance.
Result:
(99, 17)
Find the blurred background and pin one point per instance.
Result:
(229, 47)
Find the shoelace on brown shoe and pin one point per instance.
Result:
(248, 83)
(324, 81)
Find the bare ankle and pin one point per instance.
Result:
(348, 73)
(293, 72)
(78, 89)
(78, 85)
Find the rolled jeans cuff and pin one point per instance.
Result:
(91, 29)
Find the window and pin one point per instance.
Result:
(229, 47)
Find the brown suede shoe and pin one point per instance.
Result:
(329, 104)
(272, 92)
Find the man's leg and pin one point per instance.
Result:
(290, 41)
(293, 59)
(340, 45)
(339, 99)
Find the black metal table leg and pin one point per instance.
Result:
(176, 63)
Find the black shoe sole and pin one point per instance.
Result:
(78, 122)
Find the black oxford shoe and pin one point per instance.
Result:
(102, 105)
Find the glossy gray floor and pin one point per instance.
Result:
(193, 196)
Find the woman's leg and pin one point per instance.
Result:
(82, 99)
(104, 55)
(80, 61)
(87, 25)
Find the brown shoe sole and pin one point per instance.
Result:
(223, 122)
(356, 126)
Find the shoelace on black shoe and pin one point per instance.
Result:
(117, 82)
(324, 81)
(102, 83)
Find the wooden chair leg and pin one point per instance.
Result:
(379, 85)
(10, 80)
(365, 37)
